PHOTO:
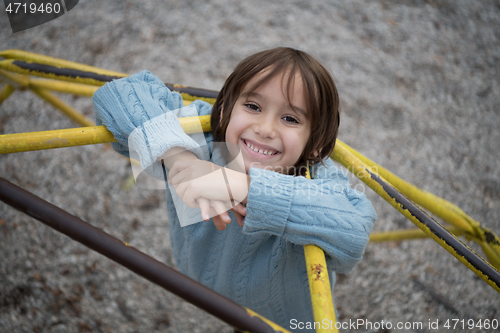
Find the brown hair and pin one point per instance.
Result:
(321, 95)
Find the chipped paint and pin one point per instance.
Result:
(416, 215)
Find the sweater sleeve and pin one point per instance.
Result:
(324, 211)
(142, 113)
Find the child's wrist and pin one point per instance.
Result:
(176, 154)
(238, 184)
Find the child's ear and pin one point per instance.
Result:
(317, 152)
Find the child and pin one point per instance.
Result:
(280, 109)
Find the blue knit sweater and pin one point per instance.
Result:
(260, 266)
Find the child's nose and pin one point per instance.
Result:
(265, 128)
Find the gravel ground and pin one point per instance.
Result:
(420, 94)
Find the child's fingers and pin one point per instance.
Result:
(217, 209)
(221, 217)
(205, 208)
(220, 208)
(218, 222)
(239, 218)
(240, 209)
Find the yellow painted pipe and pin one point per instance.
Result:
(277, 328)
(187, 97)
(6, 91)
(68, 84)
(65, 108)
(72, 137)
(46, 60)
(11, 143)
(16, 80)
(64, 87)
(72, 113)
(40, 86)
(442, 208)
(347, 159)
(401, 235)
(321, 296)
(21, 142)
(491, 249)
(9, 65)
(319, 287)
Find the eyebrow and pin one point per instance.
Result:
(294, 108)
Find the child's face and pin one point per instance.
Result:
(270, 132)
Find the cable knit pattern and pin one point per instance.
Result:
(278, 261)
(261, 265)
(149, 129)
(312, 211)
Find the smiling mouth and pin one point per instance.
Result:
(268, 152)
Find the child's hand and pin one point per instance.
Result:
(203, 184)
(240, 211)
(196, 179)
(221, 220)
(217, 210)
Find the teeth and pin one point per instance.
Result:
(265, 152)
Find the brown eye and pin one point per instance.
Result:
(253, 107)
(290, 119)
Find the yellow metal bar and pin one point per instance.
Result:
(21, 142)
(64, 87)
(38, 87)
(400, 235)
(442, 208)
(187, 97)
(7, 89)
(277, 328)
(25, 142)
(72, 137)
(72, 88)
(24, 81)
(77, 78)
(364, 172)
(65, 108)
(319, 287)
(16, 80)
(191, 125)
(10, 66)
(41, 59)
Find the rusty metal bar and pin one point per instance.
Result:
(131, 258)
